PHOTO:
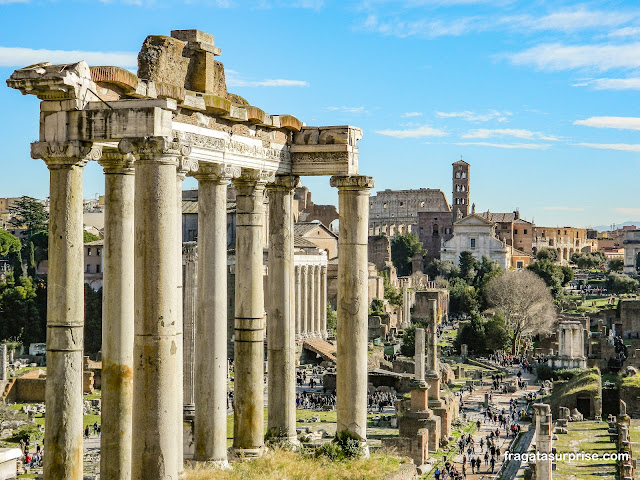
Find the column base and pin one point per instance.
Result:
(247, 453)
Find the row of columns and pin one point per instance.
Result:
(570, 340)
(310, 301)
(142, 322)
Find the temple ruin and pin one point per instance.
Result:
(148, 131)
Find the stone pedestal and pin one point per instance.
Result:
(281, 316)
(248, 427)
(210, 422)
(353, 194)
(65, 307)
(117, 317)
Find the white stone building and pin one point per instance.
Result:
(478, 236)
(631, 244)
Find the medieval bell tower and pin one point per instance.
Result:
(460, 196)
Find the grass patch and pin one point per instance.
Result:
(279, 464)
(587, 383)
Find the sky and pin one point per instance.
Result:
(539, 96)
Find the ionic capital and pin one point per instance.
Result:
(284, 182)
(250, 176)
(158, 149)
(186, 165)
(116, 162)
(352, 182)
(66, 154)
(216, 172)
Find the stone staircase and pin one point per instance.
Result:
(321, 347)
(7, 388)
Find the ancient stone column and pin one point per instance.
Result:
(210, 424)
(248, 427)
(3, 362)
(181, 173)
(432, 355)
(353, 194)
(281, 340)
(544, 430)
(65, 306)
(311, 300)
(117, 316)
(298, 295)
(406, 303)
(155, 389)
(304, 301)
(419, 355)
(323, 301)
(318, 302)
(189, 294)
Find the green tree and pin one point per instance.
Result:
(472, 333)
(391, 293)
(403, 248)
(41, 244)
(547, 253)
(332, 320)
(31, 262)
(567, 274)
(497, 337)
(408, 345)
(90, 237)
(468, 267)
(463, 298)
(552, 274)
(616, 265)
(19, 315)
(586, 260)
(92, 319)
(442, 268)
(621, 283)
(8, 244)
(29, 213)
(376, 307)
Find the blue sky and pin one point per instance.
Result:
(540, 97)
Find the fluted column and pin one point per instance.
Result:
(311, 299)
(248, 426)
(298, 295)
(210, 425)
(117, 317)
(281, 342)
(323, 302)
(189, 294)
(353, 197)
(304, 301)
(65, 307)
(155, 389)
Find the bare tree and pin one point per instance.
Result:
(525, 301)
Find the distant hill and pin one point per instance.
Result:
(604, 228)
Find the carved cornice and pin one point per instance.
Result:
(254, 177)
(155, 148)
(352, 182)
(71, 153)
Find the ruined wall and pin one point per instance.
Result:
(630, 317)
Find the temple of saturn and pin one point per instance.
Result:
(176, 118)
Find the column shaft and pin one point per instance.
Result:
(65, 308)
(280, 320)
(353, 193)
(179, 412)
(211, 342)
(248, 427)
(298, 294)
(304, 301)
(318, 302)
(117, 317)
(311, 300)
(189, 294)
(155, 390)
(323, 302)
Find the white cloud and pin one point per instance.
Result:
(509, 132)
(556, 56)
(423, 28)
(621, 123)
(423, 131)
(276, 82)
(411, 114)
(574, 19)
(351, 110)
(625, 32)
(21, 57)
(625, 147)
(611, 83)
(526, 146)
(470, 116)
(628, 210)
(5, 2)
(562, 208)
